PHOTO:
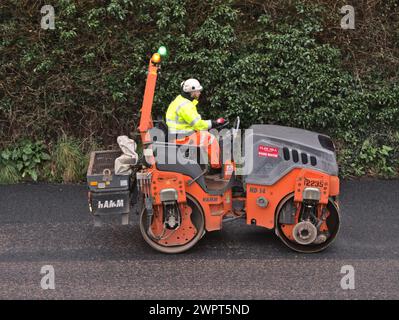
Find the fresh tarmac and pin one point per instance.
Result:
(50, 225)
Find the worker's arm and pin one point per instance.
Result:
(190, 114)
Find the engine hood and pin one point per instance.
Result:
(276, 150)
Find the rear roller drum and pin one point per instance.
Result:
(306, 236)
(181, 239)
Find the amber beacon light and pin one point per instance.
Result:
(156, 58)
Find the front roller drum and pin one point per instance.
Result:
(185, 236)
(306, 242)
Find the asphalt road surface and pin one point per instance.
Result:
(50, 225)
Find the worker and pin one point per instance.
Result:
(184, 121)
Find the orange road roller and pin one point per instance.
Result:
(280, 178)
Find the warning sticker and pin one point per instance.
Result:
(266, 151)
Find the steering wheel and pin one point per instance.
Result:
(224, 125)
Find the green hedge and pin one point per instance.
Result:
(86, 78)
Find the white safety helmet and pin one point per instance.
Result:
(191, 85)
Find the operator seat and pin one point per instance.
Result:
(161, 125)
(188, 165)
(197, 168)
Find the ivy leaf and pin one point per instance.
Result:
(33, 175)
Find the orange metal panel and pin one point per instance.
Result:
(214, 207)
(295, 181)
(167, 180)
(146, 109)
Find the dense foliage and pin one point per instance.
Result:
(283, 62)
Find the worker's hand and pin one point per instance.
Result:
(221, 121)
(218, 123)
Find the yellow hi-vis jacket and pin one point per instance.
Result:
(182, 117)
